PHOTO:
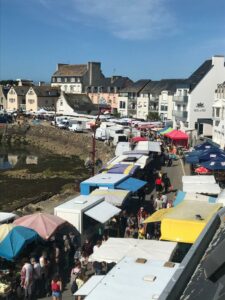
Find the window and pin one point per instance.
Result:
(72, 79)
(30, 101)
(11, 100)
(65, 79)
(53, 79)
(163, 108)
(72, 88)
(59, 79)
(30, 92)
(122, 104)
(78, 79)
(61, 103)
(11, 92)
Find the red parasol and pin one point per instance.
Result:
(202, 170)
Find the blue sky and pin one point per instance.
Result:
(150, 39)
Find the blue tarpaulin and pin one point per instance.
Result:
(131, 184)
(15, 241)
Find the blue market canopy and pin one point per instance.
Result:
(211, 154)
(131, 184)
(198, 156)
(14, 242)
(206, 145)
(215, 164)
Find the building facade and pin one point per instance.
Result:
(73, 104)
(44, 97)
(219, 116)
(3, 97)
(193, 100)
(75, 78)
(128, 98)
(16, 98)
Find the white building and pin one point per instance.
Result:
(128, 98)
(72, 104)
(157, 97)
(193, 100)
(219, 116)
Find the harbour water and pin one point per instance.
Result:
(27, 173)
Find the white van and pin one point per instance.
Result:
(79, 126)
(119, 138)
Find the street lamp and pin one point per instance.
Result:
(93, 152)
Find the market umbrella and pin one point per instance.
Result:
(214, 165)
(4, 230)
(138, 139)
(211, 154)
(205, 146)
(170, 129)
(14, 242)
(202, 170)
(44, 224)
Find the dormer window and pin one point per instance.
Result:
(59, 79)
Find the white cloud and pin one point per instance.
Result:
(125, 19)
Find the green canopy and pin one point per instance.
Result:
(167, 130)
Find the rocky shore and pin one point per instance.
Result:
(60, 142)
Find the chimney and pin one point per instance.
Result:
(61, 65)
(94, 70)
(218, 60)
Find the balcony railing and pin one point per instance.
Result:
(180, 99)
(180, 114)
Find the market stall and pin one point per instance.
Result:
(44, 224)
(177, 137)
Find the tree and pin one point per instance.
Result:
(153, 116)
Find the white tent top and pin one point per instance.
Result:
(89, 285)
(105, 179)
(204, 188)
(79, 203)
(141, 161)
(112, 196)
(5, 217)
(134, 281)
(149, 146)
(114, 249)
(102, 212)
(121, 147)
(199, 179)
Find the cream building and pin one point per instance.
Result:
(16, 98)
(219, 115)
(41, 97)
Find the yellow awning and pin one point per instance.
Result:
(187, 220)
(4, 230)
(158, 215)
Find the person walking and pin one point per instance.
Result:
(26, 276)
(56, 287)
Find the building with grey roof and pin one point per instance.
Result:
(72, 104)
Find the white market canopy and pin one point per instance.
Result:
(89, 285)
(198, 179)
(114, 249)
(112, 196)
(149, 146)
(102, 212)
(133, 280)
(5, 217)
(205, 184)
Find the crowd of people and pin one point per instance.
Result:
(67, 261)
